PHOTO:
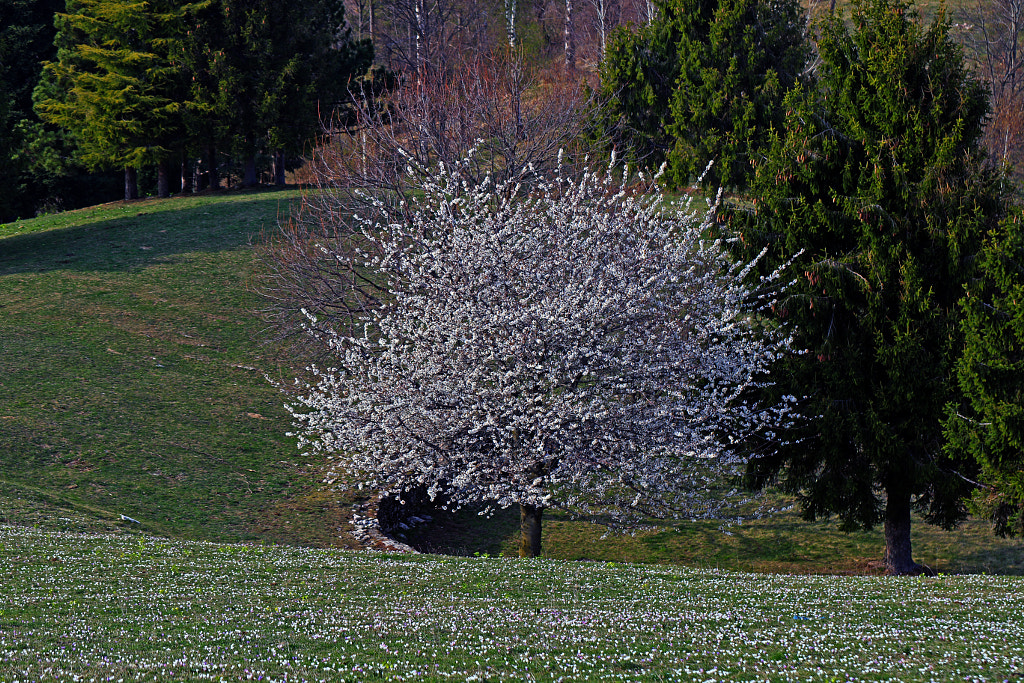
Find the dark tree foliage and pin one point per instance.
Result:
(878, 176)
(705, 80)
(269, 72)
(990, 424)
(26, 39)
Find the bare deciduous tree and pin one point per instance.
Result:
(993, 32)
(373, 161)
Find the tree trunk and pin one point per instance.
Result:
(510, 23)
(570, 39)
(899, 559)
(131, 184)
(279, 178)
(530, 524)
(163, 180)
(211, 168)
(186, 175)
(250, 171)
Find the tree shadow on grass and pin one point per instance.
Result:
(466, 532)
(145, 233)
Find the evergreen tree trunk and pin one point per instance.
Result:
(131, 183)
(279, 168)
(899, 558)
(530, 525)
(211, 168)
(186, 175)
(250, 171)
(163, 179)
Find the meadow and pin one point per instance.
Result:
(129, 607)
(132, 373)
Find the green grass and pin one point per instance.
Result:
(782, 542)
(130, 607)
(132, 375)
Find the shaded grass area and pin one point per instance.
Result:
(782, 542)
(133, 607)
(132, 376)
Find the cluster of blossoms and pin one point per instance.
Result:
(575, 344)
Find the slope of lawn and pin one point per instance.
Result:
(132, 607)
(132, 375)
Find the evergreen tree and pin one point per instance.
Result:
(26, 39)
(704, 81)
(277, 69)
(877, 176)
(990, 424)
(116, 84)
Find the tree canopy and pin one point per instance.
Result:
(115, 84)
(989, 424)
(877, 176)
(141, 83)
(704, 81)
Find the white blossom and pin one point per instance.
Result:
(576, 344)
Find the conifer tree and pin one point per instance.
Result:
(277, 69)
(116, 84)
(989, 424)
(26, 39)
(878, 177)
(704, 81)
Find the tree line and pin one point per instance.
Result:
(168, 85)
(873, 152)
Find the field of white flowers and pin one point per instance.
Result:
(79, 607)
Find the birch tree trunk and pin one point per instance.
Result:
(510, 21)
(570, 39)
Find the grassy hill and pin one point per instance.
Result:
(132, 376)
(132, 383)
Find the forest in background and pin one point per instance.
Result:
(239, 91)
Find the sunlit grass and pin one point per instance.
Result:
(133, 607)
(132, 372)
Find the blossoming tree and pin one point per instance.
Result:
(576, 346)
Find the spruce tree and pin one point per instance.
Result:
(26, 40)
(116, 84)
(275, 70)
(704, 81)
(877, 176)
(989, 423)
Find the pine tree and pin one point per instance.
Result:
(704, 82)
(878, 177)
(115, 84)
(26, 39)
